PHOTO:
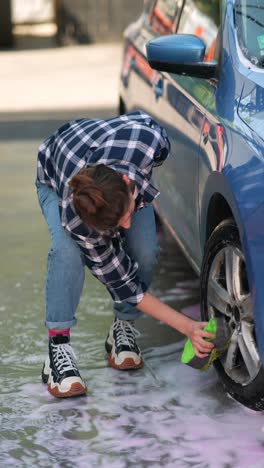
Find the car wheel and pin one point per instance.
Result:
(225, 293)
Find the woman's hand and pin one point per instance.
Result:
(196, 334)
(194, 330)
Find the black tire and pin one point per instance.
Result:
(223, 252)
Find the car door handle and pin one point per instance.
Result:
(158, 88)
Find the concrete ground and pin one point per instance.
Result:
(59, 79)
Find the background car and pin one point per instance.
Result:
(201, 76)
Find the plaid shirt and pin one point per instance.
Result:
(131, 144)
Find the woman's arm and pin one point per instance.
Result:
(194, 330)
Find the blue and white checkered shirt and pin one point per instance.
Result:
(131, 144)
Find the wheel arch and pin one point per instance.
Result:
(218, 203)
(218, 210)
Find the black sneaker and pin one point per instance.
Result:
(60, 371)
(121, 346)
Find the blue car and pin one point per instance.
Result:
(198, 68)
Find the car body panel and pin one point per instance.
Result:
(216, 130)
(178, 179)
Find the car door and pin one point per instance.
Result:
(180, 108)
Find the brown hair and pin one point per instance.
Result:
(100, 196)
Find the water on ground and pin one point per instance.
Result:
(164, 415)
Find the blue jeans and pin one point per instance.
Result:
(65, 269)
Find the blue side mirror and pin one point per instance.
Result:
(182, 54)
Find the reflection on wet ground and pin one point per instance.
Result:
(165, 414)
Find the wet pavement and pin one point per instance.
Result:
(164, 415)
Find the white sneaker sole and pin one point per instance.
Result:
(127, 364)
(73, 386)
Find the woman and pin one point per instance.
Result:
(95, 190)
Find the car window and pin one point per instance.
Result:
(202, 18)
(164, 15)
(249, 15)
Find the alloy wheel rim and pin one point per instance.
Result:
(229, 296)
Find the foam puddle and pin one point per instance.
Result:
(163, 415)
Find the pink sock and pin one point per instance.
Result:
(62, 332)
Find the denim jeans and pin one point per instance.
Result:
(65, 266)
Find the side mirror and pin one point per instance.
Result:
(182, 54)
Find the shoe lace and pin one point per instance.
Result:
(64, 357)
(125, 333)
